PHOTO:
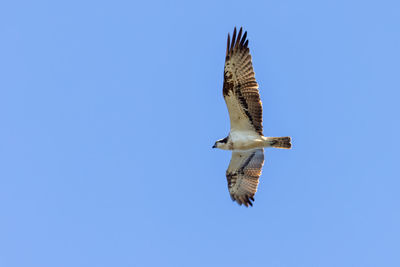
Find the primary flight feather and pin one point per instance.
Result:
(245, 139)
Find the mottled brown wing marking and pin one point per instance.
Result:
(239, 80)
(243, 175)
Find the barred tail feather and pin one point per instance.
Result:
(280, 142)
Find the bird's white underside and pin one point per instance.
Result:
(246, 140)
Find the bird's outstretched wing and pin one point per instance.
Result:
(243, 173)
(240, 88)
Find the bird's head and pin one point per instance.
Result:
(221, 143)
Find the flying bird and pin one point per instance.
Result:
(245, 139)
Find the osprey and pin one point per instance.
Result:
(245, 139)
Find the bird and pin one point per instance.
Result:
(245, 139)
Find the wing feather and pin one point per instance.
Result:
(243, 174)
(240, 87)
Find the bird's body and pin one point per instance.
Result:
(245, 139)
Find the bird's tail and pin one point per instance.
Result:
(280, 142)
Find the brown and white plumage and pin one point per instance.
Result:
(240, 88)
(243, 173)
(245, 139)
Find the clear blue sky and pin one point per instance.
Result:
(108, 112)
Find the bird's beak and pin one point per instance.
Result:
(214, 146)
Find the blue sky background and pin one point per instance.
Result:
(108, 111)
